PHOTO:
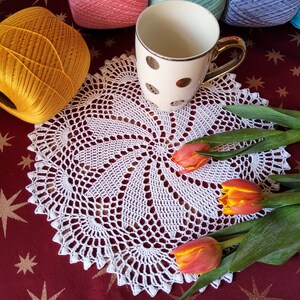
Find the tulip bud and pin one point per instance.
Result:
(189, 159)
(198, 256)
(240, 197)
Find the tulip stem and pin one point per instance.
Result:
(233, 241)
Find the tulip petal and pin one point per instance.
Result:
(188, 158)
(205, 260)
(236, 195)
(241, 185)
(246, 209)
(186, 247)
(198, 256)
(240, 197)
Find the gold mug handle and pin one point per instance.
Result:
(222, 45)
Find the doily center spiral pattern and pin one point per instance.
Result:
(104, 176)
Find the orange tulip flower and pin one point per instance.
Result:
(240, 197)
(189, 159)
(199, 256)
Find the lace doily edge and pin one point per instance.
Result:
(152, 290)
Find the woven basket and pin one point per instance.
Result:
(43, 63)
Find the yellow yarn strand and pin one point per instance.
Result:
(39, 36)
(43, 63)
(50, 69)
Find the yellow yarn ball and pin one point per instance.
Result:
(43, 63)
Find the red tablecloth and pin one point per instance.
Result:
(30, 265)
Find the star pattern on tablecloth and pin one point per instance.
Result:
(234, 53)
(255, 294)
(296, 71)
(36, 1)
(44, 295)
(7, 140)
(113, 278)
(94, 53)
(109, 42)
(282, 92)
(26, 264)
(7, 210)
(275, 56)
(257, 29)
(295, 38)
(4, 141)
(182, 291)
(26, 162)
(255, 82)
(130, 52)
(249, 43)
(297, 165)
(62, 16)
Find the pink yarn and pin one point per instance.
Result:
(105, 14)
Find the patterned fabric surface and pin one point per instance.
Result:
(30, 265)
(105, 179)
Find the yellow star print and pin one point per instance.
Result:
(36, 1)
(275, 55)
(44, 294)
(295, 71)
(295, 38)
(192, 297)
(255, 82)
(113, 278)
(62, 16)
(130, 52)
(25, 264)
(7, 209)
(94, 53)
(4, 141)
(26, 162)
(109, 42)
(298, 165)
(249, 43)
(255, 294)
(282, 92)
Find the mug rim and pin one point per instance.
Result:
(169, 58)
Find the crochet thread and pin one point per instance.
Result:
(43, 63)
(255, 13)
(106, 14)
(104, 176)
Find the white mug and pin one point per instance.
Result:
(175, 43)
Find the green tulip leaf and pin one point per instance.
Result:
(288, 180)
(209, 277)
(223, 155)
(239, 135)
(272, 142)
(281, 256)
(283, 117)
(289, 112)
(278, 230)
(289, 197)
(233, 230)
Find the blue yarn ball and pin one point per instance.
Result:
(296, 20)
(259, 13)
(216, 7)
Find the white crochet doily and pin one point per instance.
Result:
(104, 176)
